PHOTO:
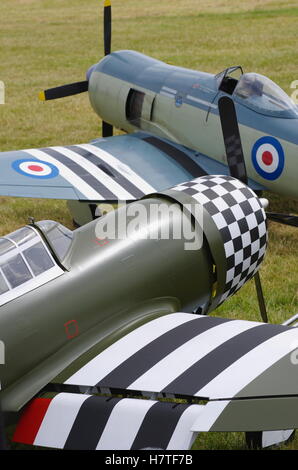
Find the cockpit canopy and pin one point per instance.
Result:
(262, 95)
(25, 263)
(58, 236)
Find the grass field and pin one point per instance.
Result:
(44, 43)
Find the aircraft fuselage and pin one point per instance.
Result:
(133, 92)
(50, 326)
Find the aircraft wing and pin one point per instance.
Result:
(164, 382)
(119, 168)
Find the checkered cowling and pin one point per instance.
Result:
(241, 221)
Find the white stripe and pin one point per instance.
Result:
(93, 170)
(124, 423)
(173, 365)
(238, 375)
(165, 93)
(209, 415)
(170, 90)
(198, 100)
(67, 174)
(182, 437)
(114, 355)
(270, 438)
(58, 420)
(122, 168)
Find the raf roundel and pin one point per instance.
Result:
(35, 168)
(268, 158)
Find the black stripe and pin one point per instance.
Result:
(180, 157)
(82, 173)
(158, 426)
(104, 166)
(90, 423)
(202, 372)
(140, 362)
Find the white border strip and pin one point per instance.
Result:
(165, 93)
(170, 90)
(198, 100)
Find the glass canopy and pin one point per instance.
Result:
(262, 95)
(25, 263)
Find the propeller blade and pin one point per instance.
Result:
(285, 219)
(107, 26)
(236, 163)
(63, 91)
(232, 140)
(107, 129)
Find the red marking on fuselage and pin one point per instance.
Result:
(102, 241)
(71, 329)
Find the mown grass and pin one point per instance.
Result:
(52, 42)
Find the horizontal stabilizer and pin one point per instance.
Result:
(85, 422)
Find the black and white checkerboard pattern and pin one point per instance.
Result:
(241, 221)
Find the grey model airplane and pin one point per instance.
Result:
(173, 123)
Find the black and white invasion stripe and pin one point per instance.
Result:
(186, 354)
(88, 422)
(95, 173)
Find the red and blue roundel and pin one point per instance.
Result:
(268, 157)
(35, 168)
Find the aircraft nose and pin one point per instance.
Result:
(89, 72)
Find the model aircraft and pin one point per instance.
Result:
(173, 125)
